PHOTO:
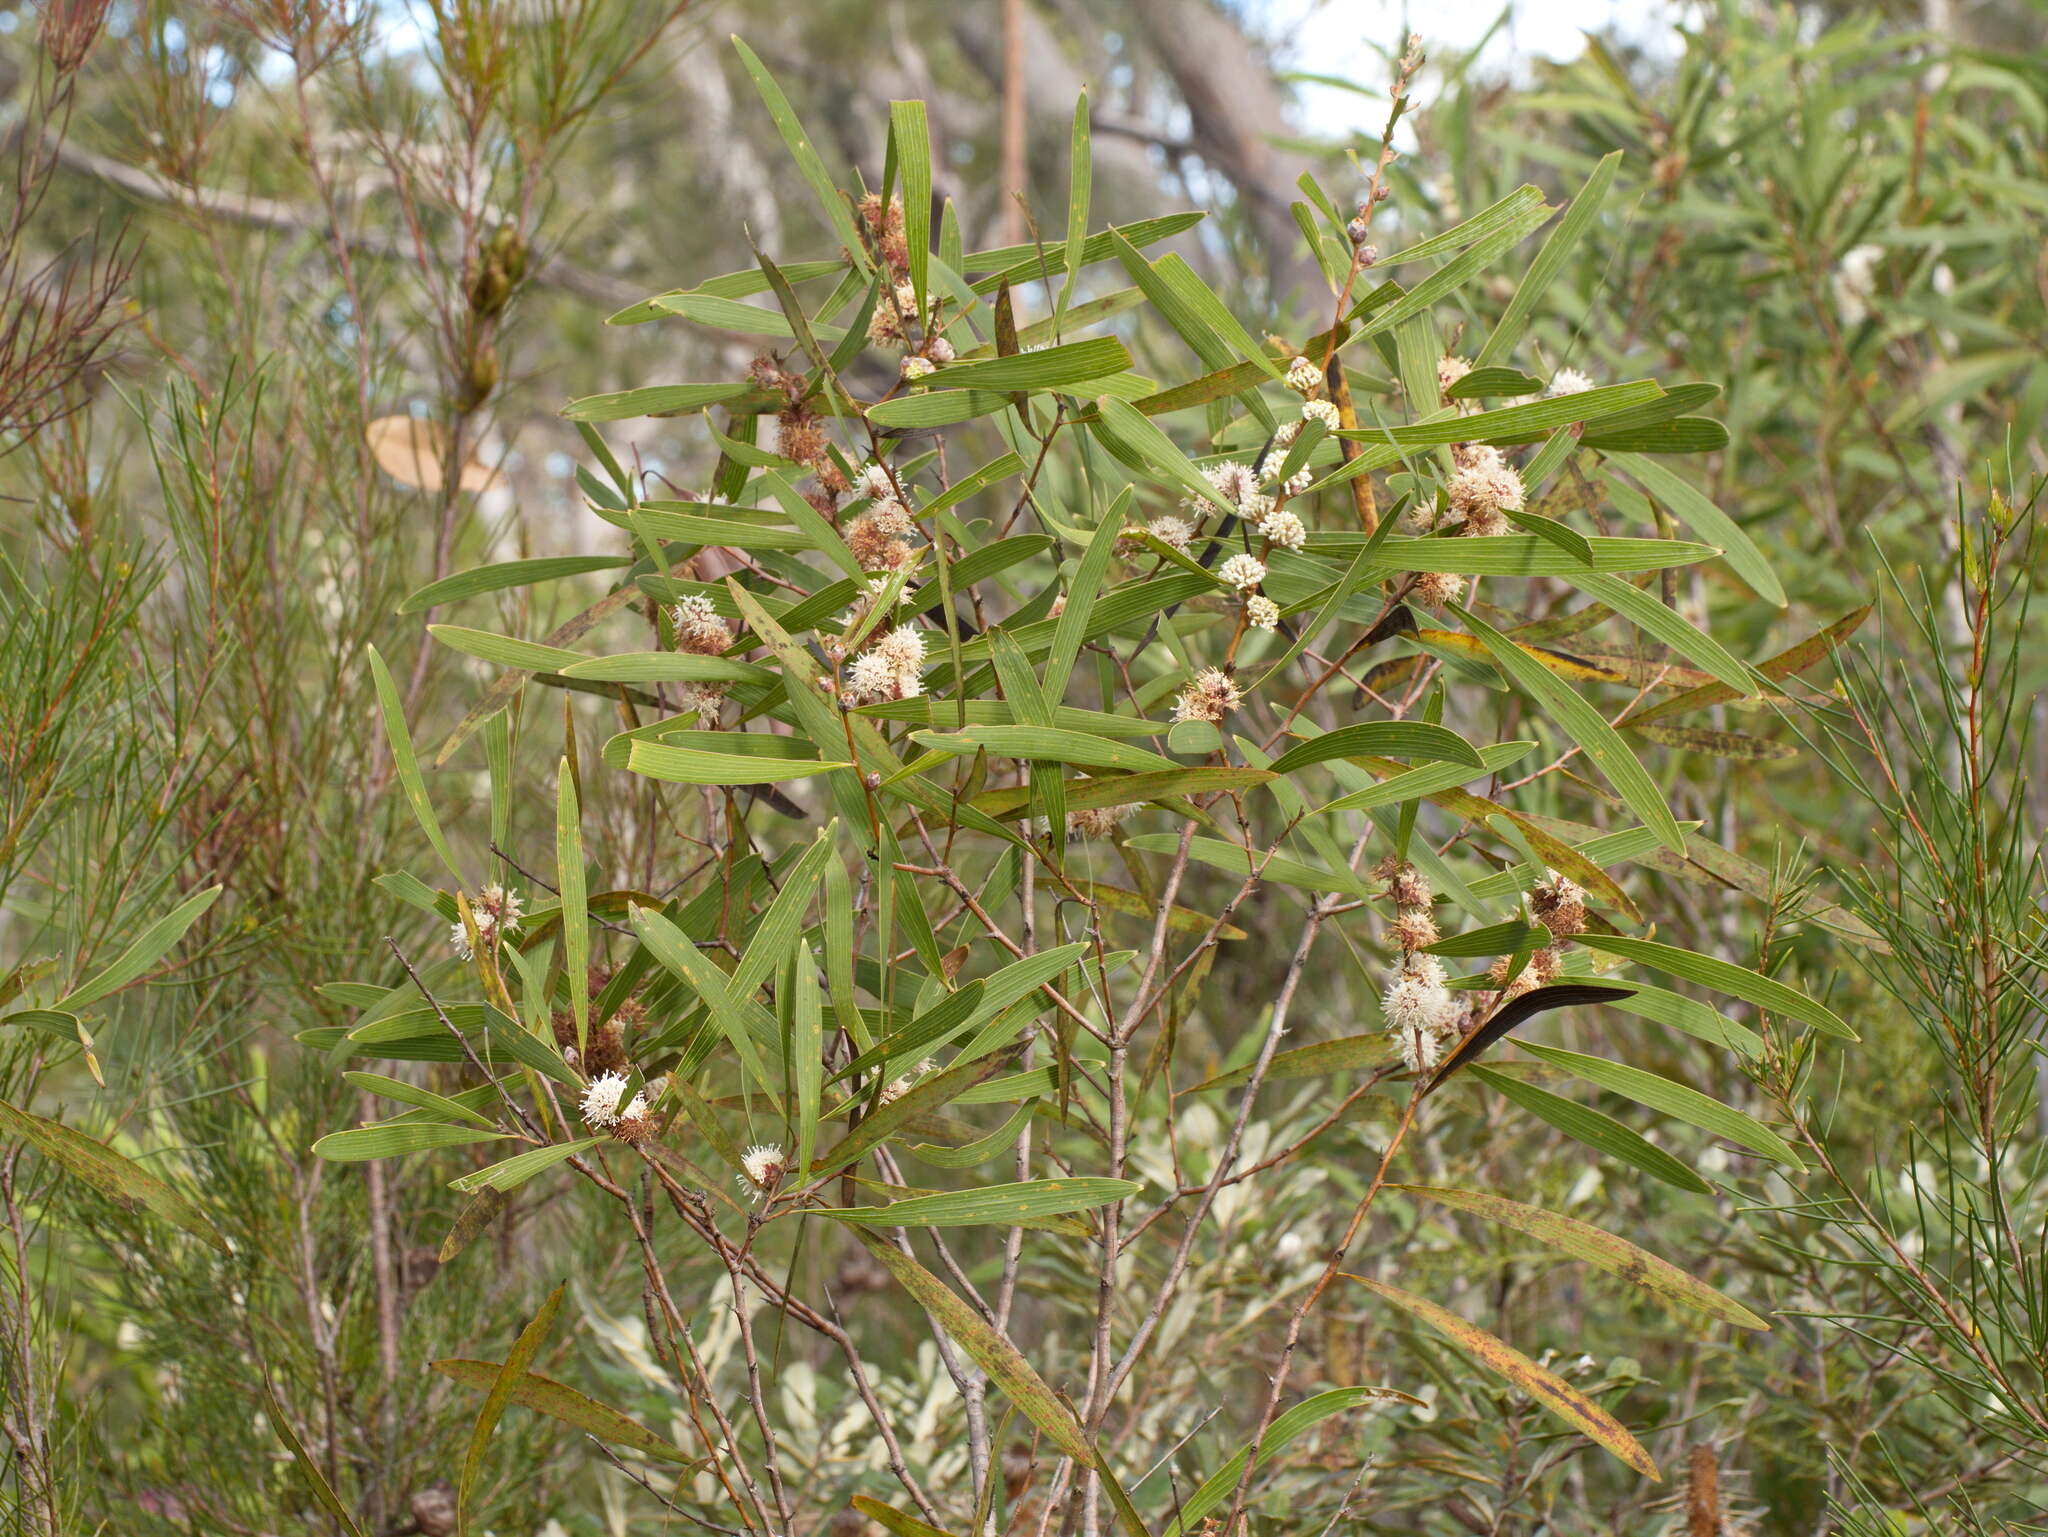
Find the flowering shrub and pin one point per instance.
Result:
(964, 728)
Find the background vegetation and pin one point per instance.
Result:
(251, 245)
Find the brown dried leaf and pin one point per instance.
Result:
(412, 451)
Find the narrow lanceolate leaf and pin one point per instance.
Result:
(1660, 623)
(1673, 1099)
(913, 138)
(1696, 511)
(1553, 1392)
(1659, 1277)
(665, 667)
(1080, 184)
(1134, 438)
(990, 1205)
(1600, 1132)
(804, 153)
(1048, 744)
(1724, 977)
(503, 1384)
(989, 1350)
(120, 1179)
(1538, 1000)
(575, 911)
(323, 1491)
(890, 1519)
(1049, 369)
(150, 946)
(1571, 229)
(408, 766)
(655, 400)
(686, 765)
(1381, 738)
(482, 1209)
(504, 650)
(510, 573)
(1587, 727)
(558, 1401)
(421, 1098)
(521, 1167)
(360, 1144)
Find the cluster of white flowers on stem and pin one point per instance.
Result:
(892, 668)
(1209, 697)
(1423, 1014)
(495, 911)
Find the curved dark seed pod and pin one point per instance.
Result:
(1559, 995)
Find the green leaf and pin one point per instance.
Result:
(1515, 554)
(1134, 437)
(685, 765)
(1673, 1099)
(1080, 178)
(1724, 977)
(659, 399)
(575, 912)
(510, 573)
(425, 1099)
(936, 408)
(988, 1349)
(1550, 261)
(1046, 744)
(1047, 369)
(504, 650)
(665, 667)
(990, 1205)
(521, 1167)
(1651, 617)
(1691, 507)
(150, 946)
(120, 1179)
(409, 780)
(1553, 1392)
(1383, 738)
(544, 1395)
(1600, 1132)
(503, 1383)
(323, 1491)
(361, 1144)
(1586, 727)
(806, 156)
(1617, 1256)
(738, 1015)
(912, 136)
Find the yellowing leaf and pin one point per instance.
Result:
(1553, 1392)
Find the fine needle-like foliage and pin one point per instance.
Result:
(919, 784)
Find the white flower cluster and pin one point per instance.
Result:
(761, 1169)
(1422, 1012)
(698, 627)
(1170, 530)
(601, 1102)
(892, 668)
(1242, 571)
(496, 913)
(1210, 697)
